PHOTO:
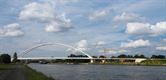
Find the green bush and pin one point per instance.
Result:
(5, 58)
(154, 62)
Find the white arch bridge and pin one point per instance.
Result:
(46, 44)
(89, 57)
(21, 56)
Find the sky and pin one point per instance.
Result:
(97, 27)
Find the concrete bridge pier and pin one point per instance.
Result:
(103, 61)
(91, 61)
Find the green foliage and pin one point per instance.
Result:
(102, 56)
(5, 58)
(154, 62)
(129, 56)
(158, 56)
(139, 56)
(122, 56)
(5, 66)
(15, 57)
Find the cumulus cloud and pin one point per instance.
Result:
(114, 51)
(161, 48)
(138, 28)
(82, 45)
(136, 43)
(44, 12)
(128, 17)
(62, 24)
(38, 11)
(146, 28)
(159, 28)
(11, 30)
(98, 14)
(100, 43)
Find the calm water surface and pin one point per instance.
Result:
(101, 72)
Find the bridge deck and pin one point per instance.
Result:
(52, 58)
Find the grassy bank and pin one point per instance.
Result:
(35, 75)
(143, 63)
(154, 62)
(5, 66)
(24, 70)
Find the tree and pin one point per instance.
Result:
(142, 56)
(136, 56)
(94, 56)
(129, 56)
(139, 56)
(113, 57)
(73, 55)
(102, 56)
(122, 56)
(158, 56)
(5, 58)
(15, 57)
(161, 56)
(154, 56)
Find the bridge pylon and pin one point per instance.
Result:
(91, 61)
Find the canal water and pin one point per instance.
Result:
(101, 72)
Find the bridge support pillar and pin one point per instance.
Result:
(103, 61)
(91, 61)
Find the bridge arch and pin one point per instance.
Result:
(46, 44)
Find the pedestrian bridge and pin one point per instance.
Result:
(136, 60)
(47, 44)
(89, 57)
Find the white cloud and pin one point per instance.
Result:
(128, 17)
(146, 28)
(62, 24)
(114, 51)
(136, 43)
(45, 12)
(100, 43)
(82, 45)
(11, 30)
(38, 11)
(138, 28)
(98, 14)
(162, 48)
(159, 28)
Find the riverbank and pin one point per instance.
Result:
(20, 72)
(154, 62)
(143, 63)
(148, 62)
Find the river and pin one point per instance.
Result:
(101, 72)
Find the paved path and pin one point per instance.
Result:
(16, 72)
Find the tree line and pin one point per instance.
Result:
(139, 56)
(123, 56)
(6, 58)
